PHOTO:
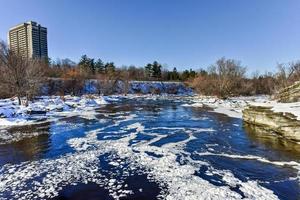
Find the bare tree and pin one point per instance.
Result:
(73, 81)
(104, 84)
(125, 78)
(229, 74)
(287, 74)
(19, 75)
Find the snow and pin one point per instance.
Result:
(177, 181)
(231, 107)
(193, 105)
(234, 106)
(138, 126)
(292, 164)
(292, 108)
(235, 113)
(46, 108)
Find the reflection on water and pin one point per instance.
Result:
(35, 143)
(272, 141)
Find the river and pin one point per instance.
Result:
(148, 148)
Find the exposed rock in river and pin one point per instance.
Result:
(283, 124)
(272, 140)
(281, 117)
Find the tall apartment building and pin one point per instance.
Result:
(29, 39)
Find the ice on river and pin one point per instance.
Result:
(172, 168)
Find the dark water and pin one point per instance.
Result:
(126, 151)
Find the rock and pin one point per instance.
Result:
(36, 112)
(284, 124)
(289, 94)
(6, 112)
(271, 140)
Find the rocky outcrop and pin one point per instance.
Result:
(289, 94)
(54, 87)
(156, 87)
(283, 124)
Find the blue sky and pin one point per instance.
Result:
(180, 33)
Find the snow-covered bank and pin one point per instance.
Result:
(284, 108)
(234, 106)
(47, 108)
(270, 115)
(231, 107)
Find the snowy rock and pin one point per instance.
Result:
(48, 108)
(275, 118)
(231, 107)
(6, 112)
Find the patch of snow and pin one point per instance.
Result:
(292, 108)
(235, 113)
(47, 108)
(231, 107)
(199, 105)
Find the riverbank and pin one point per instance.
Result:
(231, 107)
(280, 118)
(49, 108)
(46, 108)
(283, 119)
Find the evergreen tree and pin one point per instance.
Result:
(87, 64)
(185, 75)
(110, 68)
(174, 74)
(149, 70)
(156, 68)
(202, 72)
(99, 66)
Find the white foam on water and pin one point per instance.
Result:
(138, 126)
(83, 166)
(292, 164)
(251, 189)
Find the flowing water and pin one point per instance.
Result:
(148, 149)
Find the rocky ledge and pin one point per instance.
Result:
(274, 120)
(289, 94)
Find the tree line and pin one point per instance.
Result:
(23, 77)
(224, 78)
(91, 68)
(227, 77)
